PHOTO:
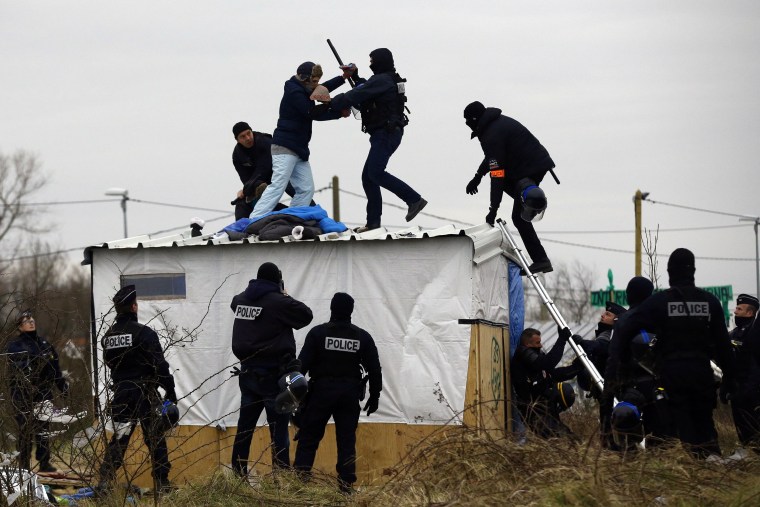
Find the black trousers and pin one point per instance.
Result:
(746, 412)
(32, 432)
(542, 417)
(526, 230)
(337, 398)
(133, 403)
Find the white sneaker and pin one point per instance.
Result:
(46, 411)
(714, 458)
(739, 454)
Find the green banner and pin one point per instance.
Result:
(724, 293)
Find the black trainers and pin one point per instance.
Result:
(544, 266)
(46, 467)
(415, 208)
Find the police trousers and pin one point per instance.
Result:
(336, 397)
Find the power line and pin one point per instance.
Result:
(620, 250)
(677, 229)
(692, 208)
(59, 203)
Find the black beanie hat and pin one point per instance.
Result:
(125, 296)
(269, 271)
(239, 128)
(639, 288)
(474, 111)
(746, 299)
(342, 304)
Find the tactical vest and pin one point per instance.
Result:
(686, 332)
(124, 355)
(339, 354)
(386, 111)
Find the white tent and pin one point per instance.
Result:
(410, 287)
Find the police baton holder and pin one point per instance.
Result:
(549, 304)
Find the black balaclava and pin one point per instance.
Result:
(472, 114)
(270, 272)
(681, 267)
(382, 61)
(341, 306)
(639, 288)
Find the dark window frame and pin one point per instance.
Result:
(175, 285)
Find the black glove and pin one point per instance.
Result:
(289, 363)
(171, 395)
(371, 406)
(727, 389)
(235, 371)
(293, 365)
(564, 333)
(577, 338)
(472, 186)
(491, 216)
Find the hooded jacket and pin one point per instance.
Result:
(511, 148)
(297, 112)
(254, 164)
(264, 323)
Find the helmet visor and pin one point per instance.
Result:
(532, 215)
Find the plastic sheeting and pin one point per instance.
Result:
(516, 307)
(409, 296)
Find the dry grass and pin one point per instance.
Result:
(459, 466)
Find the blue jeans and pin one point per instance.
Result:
(258, 390)
(382, 145)
(286, 168)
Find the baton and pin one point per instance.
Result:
(554, 176)
(340, 62)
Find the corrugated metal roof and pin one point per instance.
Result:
(487, 241)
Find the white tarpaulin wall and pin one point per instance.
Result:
(409, 295)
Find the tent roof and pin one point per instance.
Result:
(487, 241)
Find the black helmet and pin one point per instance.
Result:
(563, 395)
(627, 430)
(533, 201)
(168, 416)
(293, 389)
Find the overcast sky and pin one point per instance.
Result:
(661, 96)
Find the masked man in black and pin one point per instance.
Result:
(517, 162)
(381, 100)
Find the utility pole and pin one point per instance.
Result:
(637, 198)
(756, 221)
(336, 198)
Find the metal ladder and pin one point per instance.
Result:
(549, 304)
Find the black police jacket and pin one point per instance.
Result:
(264, 322)
(380, 99)
(690, 329)
(747, 368)
(533, 369)
(339, 349)
(132, 351)
(33, 369)
(511, 154)
(254, 164)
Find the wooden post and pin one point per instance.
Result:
(336, 198)
(637, 235)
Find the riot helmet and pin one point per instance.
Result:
(627, 430)
(533, 201)
(293, 389)
(167, 416)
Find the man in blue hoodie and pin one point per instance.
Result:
(262, 338)
(290, 142)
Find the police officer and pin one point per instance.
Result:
(134, 356)
(745, 402)
(252, 158)
(517, 162)
(33, 373)
(690, 330)
(381, 100)
(262, 339)
(536, 385)
(334, 355)
(629, 376)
